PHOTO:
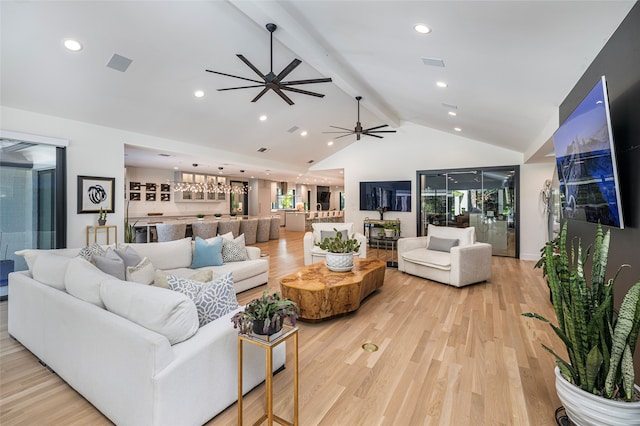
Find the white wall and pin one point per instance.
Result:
(532, 219)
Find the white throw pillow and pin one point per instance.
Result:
(83, 280)
(50, 269)
(30, 255)
(143, 273)
(166, 312)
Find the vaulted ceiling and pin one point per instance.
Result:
(507, 64)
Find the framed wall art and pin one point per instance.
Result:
(165, 187)
(95, 193)
(134, 196)
(151, 196)
(151, 187)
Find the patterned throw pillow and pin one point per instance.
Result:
(213, 299)
(88, 252)
(234, 250)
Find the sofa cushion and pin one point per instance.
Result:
(110, 263)
(50, 269)
(207, 252)
(431, 258)
(465, 236)
(83, 280)
(166, 312)
(442, 244)
(165, 255)
(142, 273)
(241, 270)
(203, 275)
(234, 250)
(212, 299)
(30, 255)
(88, 252)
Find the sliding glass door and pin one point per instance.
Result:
(485, 198)
(32, 201)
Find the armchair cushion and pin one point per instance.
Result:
(328, 226)
(430, 258)
(442, 244)
(330, 234)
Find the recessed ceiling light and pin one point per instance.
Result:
(330, 143)
(303, 133)
(422, 28)
(175, 167)
(198, 94)
(452, 113)
(72, 45)
(457, 129)
(263, 118)
(441, 84)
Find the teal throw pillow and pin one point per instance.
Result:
(207, 253)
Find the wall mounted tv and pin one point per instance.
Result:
(586, 161)
(394, 195)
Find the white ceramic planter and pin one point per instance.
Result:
(340, 262)
(586, 409)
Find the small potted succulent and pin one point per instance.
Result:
(200, 216)
(340, 251)
(102, 217)
(265, 316)
(390, 229)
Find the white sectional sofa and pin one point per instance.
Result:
(149, 364)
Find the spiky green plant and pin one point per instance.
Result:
(599, 343)
(337, 244)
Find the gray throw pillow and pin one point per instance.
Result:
(442, 244)
(331, 234)
(110, 264)
(129, 256)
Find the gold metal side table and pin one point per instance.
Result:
(107, 228)
(268, 345)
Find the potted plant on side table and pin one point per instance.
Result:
(266, 315)
(340, 250)
(596, 384)
(102, 217)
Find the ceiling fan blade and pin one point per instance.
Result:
(262, 92)
(313, 80)
(288, 69)
(304, 92)
(241, 87)
(378, 131)
(234, 76)
(343, 128)
(377, 127)
(348, 134)
(371, 134)
(283, 96)
(250, 65)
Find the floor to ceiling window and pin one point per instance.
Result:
(32, 201)
(485, 198)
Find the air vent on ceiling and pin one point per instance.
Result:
(164, 155)
(263, 149)
(119, 63)
(450, 106)
(310, 161)
(293, 129)
(433, 62)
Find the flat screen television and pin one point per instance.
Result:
(394, 195)
(586, 162)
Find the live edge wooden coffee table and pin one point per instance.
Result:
(322, 294)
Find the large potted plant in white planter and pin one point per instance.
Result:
(596, 383)
(340, 251)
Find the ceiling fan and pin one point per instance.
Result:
(273, 81)
(358, 130)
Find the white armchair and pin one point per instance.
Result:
(314, 254)
(466, 263)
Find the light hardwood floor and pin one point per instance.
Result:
(448, 356)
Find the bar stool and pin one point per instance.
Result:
(264, 225)
(204, 230)
(226, 226)
(274, 229)
(249, 228)
(171, 231)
